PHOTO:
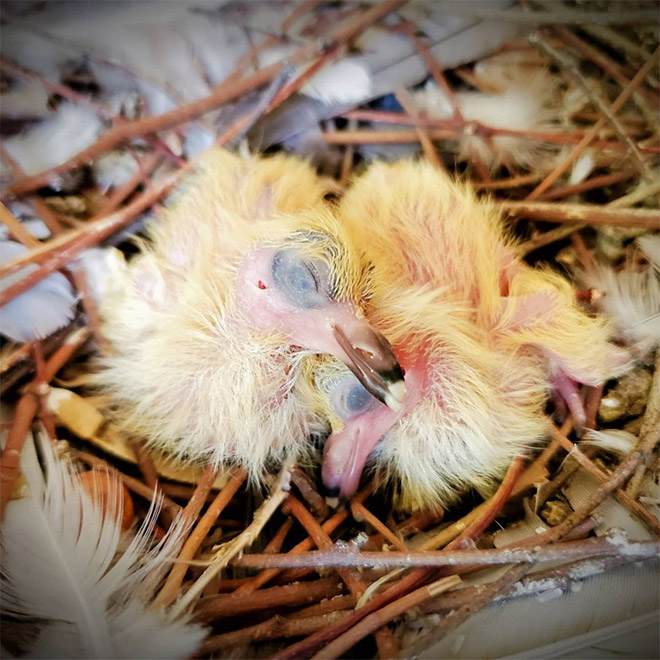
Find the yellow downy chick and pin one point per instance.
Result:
(243, 275)
(480, 336)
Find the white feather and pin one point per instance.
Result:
(616, 441)
(114, 169)
(46, 307)
(53, 141)
(525, 103)
(61, 564)
(105, 271)
(632, 299)
(345, 81)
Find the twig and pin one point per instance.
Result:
(343, 557)
(222, 94)
(407, 103)
(457, 617)
(322, 540)
(262, 578)
(591, 214)
(229, 550)
(624, 498)
(569, 67)
(361, 513)
(316, 503)
(588, 138)
(61, 250)
(547, 237)
(380, 618)
(221, 606)
(172, 585)
(589, 184)
(278, 627)
(650, 421)
(26, 409)
(131, 483)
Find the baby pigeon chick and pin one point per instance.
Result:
(244, 274)
(480, 336)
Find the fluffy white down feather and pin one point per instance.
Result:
(61, 563)
(45, 308)
(525, 102)
(632, 297)
(69, 130)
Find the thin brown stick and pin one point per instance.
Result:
(222, 606)
(222, 94)
(459, 616)
(131, 483)
(361, 514)
(278, 627)
(602, 546)
(571, 70)
(383, 616)
(408, 104)
(174, 580)
(262, 578)
(591, 214)
(26, 409)
(589, 184)
(322, 540)
(624, 498)
(591, 134)
(650, 421)
(547, 237)
(229, 550)
(61, 250)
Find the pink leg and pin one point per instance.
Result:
(567, 389)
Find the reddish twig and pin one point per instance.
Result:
(26, 409)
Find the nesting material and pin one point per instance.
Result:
(107, 108)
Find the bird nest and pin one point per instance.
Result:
(277, 571)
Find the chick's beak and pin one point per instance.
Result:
(370, 357)
(346, 453)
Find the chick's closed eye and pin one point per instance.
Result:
(349, 398)
(304, 281)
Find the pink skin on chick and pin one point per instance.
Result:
(313, 320)
(346, 453)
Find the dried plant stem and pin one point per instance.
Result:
(322, 540)
(131, 483)
(589, 184)
(229, 550)
(444, 129)
(262, 578)
(16, 228)
(26, 409)
(61, 250)
(591, 134)
(624, 498)
(505, 184)
(361, 514)
(221, 606)
(315, 502)
(222, 94)
(408, 104)
(547, 237)
(650, 421)
(278, 627)
(172, 585)
(414, 579)
(570, 68)
(461, 615)
(617, 480)
(383, 616)
(591, 214)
